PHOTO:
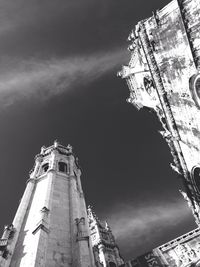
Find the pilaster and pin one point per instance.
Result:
(18, 221)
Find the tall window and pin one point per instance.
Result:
(45, 167)
(62, 167)
(196, 177)
(194, 85)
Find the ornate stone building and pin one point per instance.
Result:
(183, 251)
(51, 226)
(163, 75)
(103, 242)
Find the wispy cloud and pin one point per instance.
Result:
(143, 226)
(43, 79)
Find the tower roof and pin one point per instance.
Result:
(56, 146)
(65, 150)
(61, 149)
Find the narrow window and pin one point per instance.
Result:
(45, 167)
(62, 167)
(148, 84)
(112, 264)
(194, 85)
(5, 254)
(196, 177)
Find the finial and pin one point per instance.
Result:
(183, 194)
(91, 213)
(89, 209)
(131, 36)
(55, 143)
(69, 148)
(42, 150)
(119, 74)
(131, 47)
(129, 100)
(107, 226)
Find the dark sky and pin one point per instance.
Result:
(58, 64)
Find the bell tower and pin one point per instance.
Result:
(105, 249)
(50, 227)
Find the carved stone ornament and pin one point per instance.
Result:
(148, 85)
(81, 229)
(187, 256)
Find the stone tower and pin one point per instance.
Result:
(105, 249)
(163, 74)
(50, 227)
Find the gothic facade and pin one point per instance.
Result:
(163, 76)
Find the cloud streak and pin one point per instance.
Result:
(44, 79)
(142, 226)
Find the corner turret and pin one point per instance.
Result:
(106, 251)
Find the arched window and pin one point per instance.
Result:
(148, 84)
(196, 177)
(45, 167)
(194, 85)
(112, 264)
(62, 167)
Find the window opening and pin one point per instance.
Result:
(45, 167)
(196, 178)
(194, 85)
(62, 167)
